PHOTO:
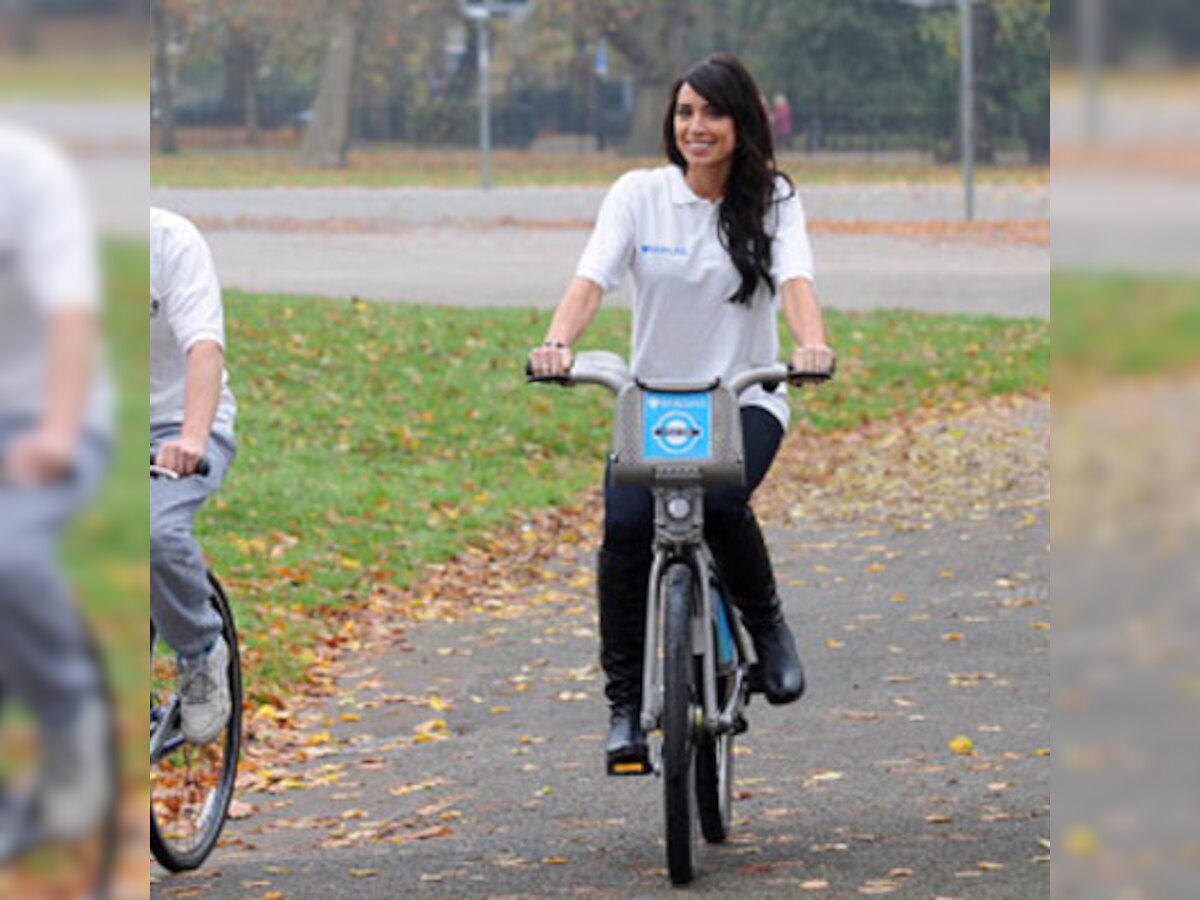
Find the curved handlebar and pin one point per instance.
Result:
(609, 370)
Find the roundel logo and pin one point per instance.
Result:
(677, 432)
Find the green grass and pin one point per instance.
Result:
(376, 439)
(1113, 325)
(399, 167)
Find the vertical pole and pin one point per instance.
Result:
(967, 97)
(485, 103)
(1091, 45)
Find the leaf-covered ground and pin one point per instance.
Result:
(1020, 231)
(913, 560)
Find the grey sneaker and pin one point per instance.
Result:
(77, 774)
(204, 692)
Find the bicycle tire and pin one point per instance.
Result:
(177, 859)
(714, 777)
(679, 724)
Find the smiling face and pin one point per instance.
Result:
(705, 135)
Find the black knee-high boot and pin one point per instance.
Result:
(745, 566)
(622, 582)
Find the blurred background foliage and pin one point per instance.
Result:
(860, 75)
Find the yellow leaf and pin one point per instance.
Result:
(437, 704)
(952, 636)
(963, 745)
(833, 644)
(554, 861)
(350, 717)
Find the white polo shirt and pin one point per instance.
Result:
(185, 308)
(684, 326)
(48, 264)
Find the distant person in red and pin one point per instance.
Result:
(781, 121)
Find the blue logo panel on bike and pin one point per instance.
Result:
(676, 426)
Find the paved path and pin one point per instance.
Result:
(911, 639)
(520, 267)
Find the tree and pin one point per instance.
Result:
(654, 38)
(327, 141)
(1012, 78)
(860, 63)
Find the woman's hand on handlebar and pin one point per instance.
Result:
(813, 359)
(181, 455)
(551, 359)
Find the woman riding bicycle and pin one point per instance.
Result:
(712, 241)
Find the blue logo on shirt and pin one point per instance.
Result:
(662, 250)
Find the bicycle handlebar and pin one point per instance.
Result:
(609, 370)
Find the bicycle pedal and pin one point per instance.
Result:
(740, 725)
(630, 766)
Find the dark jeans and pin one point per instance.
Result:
(729, 524)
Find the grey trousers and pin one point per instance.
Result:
(179, 591)
(44, 657)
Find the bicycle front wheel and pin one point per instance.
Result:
(680, 711)
(714, 784)
(191, 787)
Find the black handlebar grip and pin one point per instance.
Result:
(202, 468)
(795, 377)
(530, 378)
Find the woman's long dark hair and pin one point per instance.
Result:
(729, 88)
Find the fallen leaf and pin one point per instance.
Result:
(962, 745)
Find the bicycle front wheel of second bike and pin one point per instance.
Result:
(680, 709)
(191, 786)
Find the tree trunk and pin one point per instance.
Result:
(164, 88)
(649, 106)
(663, 60)
(327, 141)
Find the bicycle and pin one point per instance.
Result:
(678, 439)
(34, 862)
(191, 787)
